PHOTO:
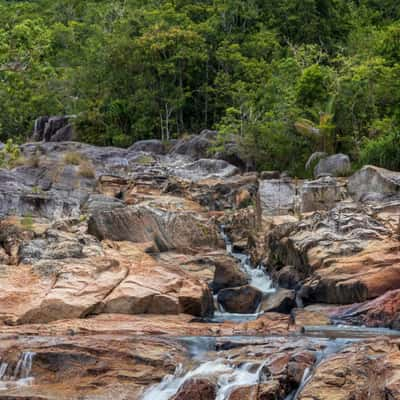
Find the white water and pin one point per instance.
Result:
(257, 276)
(227, 376)
(20, 375)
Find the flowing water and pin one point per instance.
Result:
(257, 277)
(19, 375)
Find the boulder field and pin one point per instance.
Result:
(129, 274)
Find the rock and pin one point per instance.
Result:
(288, 277)
(151, 146)
(321, 194)
(82, 366)
(343, 256)
(382, 312)
(241, 300)
(360, 371)
(53, 129)
(335, 165)
(282, 301)
(205, 169)
(268, 175)
(196, 147)
(265, 391)
(64, 134)
(228, 274)
(370, 180)
(305, 317)
(277, 196)
(196, 389)
(167, 229)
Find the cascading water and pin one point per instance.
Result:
(226, 374)
(20, 375)
(257, 278)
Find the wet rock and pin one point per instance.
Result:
(361, 371)
(304, 317)
(241, 300)
(373, 180)
(381, 312)
(335, 165)
(228, 274)
(78, 366)
(288, 277)
(196, 389)
(265, 391)
(282, 301)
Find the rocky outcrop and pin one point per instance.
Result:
(242, 300)
(361, 371)
(196, 146)
(282, 301)
(343, 256)
(165, 229)
(150, 146)
(373, 181)
(228, 274)
(335, 165)
(197, 389)
(383, 311)
(53, 129)
(321, 194)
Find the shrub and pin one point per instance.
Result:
(86, 170)
(73, 158)
(383, 151)
(27, 222)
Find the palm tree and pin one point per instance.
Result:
(322, 133)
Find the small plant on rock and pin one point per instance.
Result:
(73, 158)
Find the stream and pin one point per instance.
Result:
(257, 278)
(212, 361)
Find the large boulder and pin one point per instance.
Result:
(371, 180)
(321, 194)
(197, 389)
(277, 196)
(228, 274)
(53, 129)
(335, 165)
(195, 147)
(241, 300)
(282, 301)
(166, 229)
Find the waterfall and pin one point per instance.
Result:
(257, 276)
(22, 370)
(228, 378)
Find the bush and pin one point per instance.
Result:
(383, 151)
(86, 170)
(73, 158)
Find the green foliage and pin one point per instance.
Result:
(73, 158)
(10, 155)
(382, 151)
(260, 71)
